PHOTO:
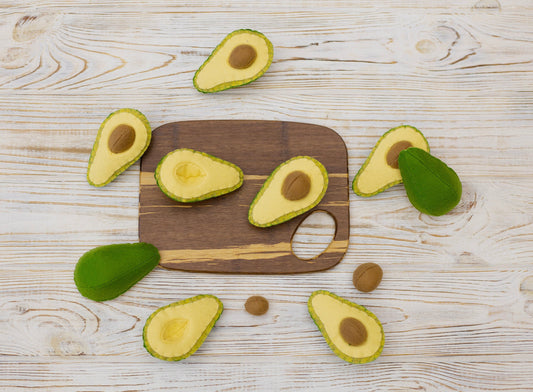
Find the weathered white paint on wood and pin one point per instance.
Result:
(456, 300)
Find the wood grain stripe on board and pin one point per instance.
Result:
(250, 252)
(148, 179)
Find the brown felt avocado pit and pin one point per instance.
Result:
(367, 277)
(242, 57)
(394, 152)
(121, 139)
(296, 185)
(353, 331)
(256, 305)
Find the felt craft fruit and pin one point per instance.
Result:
(351, 331)
(242, 57)
(187, 175)
(256, 305)
(176, 331)
(367, 277)
(380, 170)
(106, 272)
(293, 188)
(122, 139)
(432, 187)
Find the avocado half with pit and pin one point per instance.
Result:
(353, 332)
(187, 175)
(176, 331)
(380, 170)
(293, 188)
(122, 139)
(242, 57)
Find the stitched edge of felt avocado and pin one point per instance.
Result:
(355, 188)
(330, 343)
(238, 83)
(292, 214)
(209, 195)
(130, 162)
(198, 342)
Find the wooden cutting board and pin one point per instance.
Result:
(214, 235)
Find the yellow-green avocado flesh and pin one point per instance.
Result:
(328, 312)
(270, 206)
(380, 170)
(188, 176)
(122, 139)
(219, 72)
(176, 331)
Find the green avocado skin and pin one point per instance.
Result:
(108, 271)
(432, 187)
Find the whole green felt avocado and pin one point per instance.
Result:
(108, 271)
(432, 187)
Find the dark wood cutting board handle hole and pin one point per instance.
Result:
(313, 235)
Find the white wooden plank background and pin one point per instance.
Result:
(456, 300)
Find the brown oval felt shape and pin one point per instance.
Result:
(367, 277)
(121, 139)
(242, 57)
(256, 305)
(296, 185)
(353, 331)
(394, 152)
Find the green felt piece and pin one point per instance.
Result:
(432, 187)
(106, 272)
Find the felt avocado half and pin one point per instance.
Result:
(380, 170)
(122, 139)
(242, 57)
(176, 331)
(432, 187)
(293, 188)
(187, 175)
(353, 332)
(108, 271)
